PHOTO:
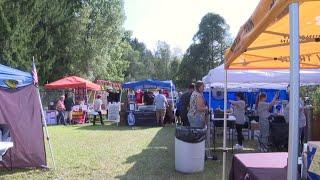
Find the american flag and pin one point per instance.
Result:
(34, 74)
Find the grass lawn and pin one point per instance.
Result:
(111, 152)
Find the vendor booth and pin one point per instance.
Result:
(21, 124)
(140, 99)
(81, 96)
(279, 34)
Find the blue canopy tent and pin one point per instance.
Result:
(17, 77)
(250, 97)
(150, 84)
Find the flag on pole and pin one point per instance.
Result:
(34, 73)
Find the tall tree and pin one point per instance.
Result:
(78, 37)
(207, 49)
(163, 58)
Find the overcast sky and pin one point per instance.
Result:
(176, 21)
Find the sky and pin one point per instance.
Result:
(176, 21)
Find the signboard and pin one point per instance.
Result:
(51, 117)
(315, 163)
(114, 112)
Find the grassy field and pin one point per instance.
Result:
(111, 152)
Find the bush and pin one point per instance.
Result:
(316, 102)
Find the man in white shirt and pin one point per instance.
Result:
(97, 108)
(161, 104)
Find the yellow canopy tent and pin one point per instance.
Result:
(263, 41)
(277, 37)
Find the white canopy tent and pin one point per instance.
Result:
(273, 79)
(248, 80)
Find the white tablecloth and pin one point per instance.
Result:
(230, 118)
(4, 146)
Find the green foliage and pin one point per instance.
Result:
(143, 64)
(78, 37)
(316, 102)
(207, 50)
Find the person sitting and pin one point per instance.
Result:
(239, 112)
(97, 108)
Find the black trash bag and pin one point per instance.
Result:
(190, 135)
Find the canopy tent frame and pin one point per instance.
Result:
(153, 83)
(266, 15)
(45, 122)
(294, 91)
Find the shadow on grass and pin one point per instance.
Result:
(157, 160)
(6, 171)
(110, 127)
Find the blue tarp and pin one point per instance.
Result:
(148, 84)
(250, 97)
(8, 74)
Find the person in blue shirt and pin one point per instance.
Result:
(178, 108)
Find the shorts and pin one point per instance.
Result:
(160, 114)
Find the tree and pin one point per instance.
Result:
(163, 58)
(78, 37)
(206, 51)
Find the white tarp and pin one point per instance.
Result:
(266, 79)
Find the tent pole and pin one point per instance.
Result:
(209, 97)
(209, 127)
(120, 103)
(46, 129)
(225, 125)
(294, 91)
(172, 96)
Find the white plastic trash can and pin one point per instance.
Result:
(190, 156)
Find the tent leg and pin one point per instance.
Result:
(120, 105)
(294, 91)
(46, 129)
(209, 155)
(225, 126)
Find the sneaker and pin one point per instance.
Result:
(238, 147)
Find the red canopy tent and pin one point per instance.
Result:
(114, 85)
(73, 82)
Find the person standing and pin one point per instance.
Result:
(263, 113)
(69, 103)
(178, 109)
(97, 108)
(198, 108)
(302, 120)
(161, 104)
(239, 107)
(185, 104)
(60, 107)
